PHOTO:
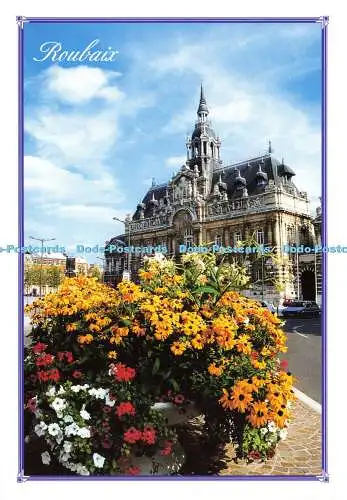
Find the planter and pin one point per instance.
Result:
(160, 465)
(177, 414)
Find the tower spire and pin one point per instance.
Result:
(202, 109)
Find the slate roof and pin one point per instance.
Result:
(244, 174)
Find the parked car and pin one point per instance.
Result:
(302, 309)
(268, 305)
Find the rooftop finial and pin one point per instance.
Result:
(270, 147)
(202, 109)
(154, 182)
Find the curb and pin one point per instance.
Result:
(309, 401)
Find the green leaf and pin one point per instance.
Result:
(156, 366)
(175, 385)
(206, 289)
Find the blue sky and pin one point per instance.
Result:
(96, 133)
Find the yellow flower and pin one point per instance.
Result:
(112, 355)
(215, 370)
(178, 348)
(260, 365)
(243, 344)
(197, 342)
(72, 327)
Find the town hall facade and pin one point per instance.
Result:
(208, 202)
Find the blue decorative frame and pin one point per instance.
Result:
(21, 20)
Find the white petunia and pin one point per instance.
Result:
(84, 432)
(76, 388)
(98, 393)
(283, 434)
(46, 458)
(85, 415)
(67, 419)
(64, 456)
(61, 390)
(67, 446)
(59, 437)
(108, 401)
(51, 391)
(72, 429)
(58, 405)
(263, 431)
(98, 460)
(82, 470)
(54, 429)
(40, 428)
(272, 427)
(85, 387)
(71, 466)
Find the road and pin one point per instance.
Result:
(304, 355)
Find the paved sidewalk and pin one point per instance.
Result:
(299, 454)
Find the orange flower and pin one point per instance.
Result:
(238, 400)
(85, 339)
(215, 370)
(72, 327)
(258, 415)
(178, 348)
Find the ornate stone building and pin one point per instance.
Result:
(209, 202)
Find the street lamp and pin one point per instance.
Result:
(41, 260)
(129, 252)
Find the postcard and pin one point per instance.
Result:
(174, 204)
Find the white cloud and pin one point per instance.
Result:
(246, 113)
(82, 213)
(81, 84)
(47, 182)
(175, 161)
(73, 138)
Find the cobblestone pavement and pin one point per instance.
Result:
(299, 454)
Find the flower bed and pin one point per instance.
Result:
(102, 359)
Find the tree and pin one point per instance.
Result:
(95, 272)
(53, 276)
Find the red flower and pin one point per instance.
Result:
(39, 347)
(107, 409)
(132, 471)
(54, 375)
(69, 357)
(123, 373)
(42, 376)
(132, 435)
(126, 408)
(178, 399)
(44, 360)
(254, 455)
(254, 355)
(149, 435)
(77, 374)
(284, 364)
